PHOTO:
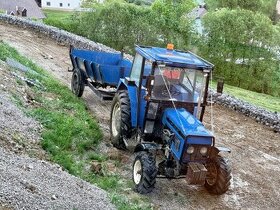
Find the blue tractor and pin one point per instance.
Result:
(158, 105)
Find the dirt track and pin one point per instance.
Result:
(255, 153)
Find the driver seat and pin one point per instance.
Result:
(160, 86)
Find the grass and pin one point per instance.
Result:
(58, 14)
(60, 19)
(70, 134)
(265, 101)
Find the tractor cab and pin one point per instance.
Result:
(169, 79)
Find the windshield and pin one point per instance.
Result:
(178, 84)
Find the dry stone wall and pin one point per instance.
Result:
(270, 119)
(58, 35)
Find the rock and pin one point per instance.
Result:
(54, 197)
(28, 186)
(96, 167)
(111, 169)
(30, 167)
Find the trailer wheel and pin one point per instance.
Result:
(144, 172)
(78, 82)
(120, 123)
(218, 176)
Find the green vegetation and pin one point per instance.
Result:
(265, 101)
(240, 36)
(61, 19)
(70, 134)
(241, 43)
(267, 7)
(121, 25)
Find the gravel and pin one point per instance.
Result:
(15, 127)
(28, 183)
(31, 183)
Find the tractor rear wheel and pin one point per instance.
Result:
(120, 123)
(218, 176)
(144, 172)
(78, 82)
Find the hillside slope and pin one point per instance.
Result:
(255, 153)
(34, 183)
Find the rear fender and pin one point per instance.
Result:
(132, 94)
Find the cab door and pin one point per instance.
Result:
(137, 76)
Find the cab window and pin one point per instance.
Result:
(136, 69)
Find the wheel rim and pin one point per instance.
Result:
(116, 118)
(137, 172)
(212, 174)
(75, 83)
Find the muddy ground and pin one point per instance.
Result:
(255, 156)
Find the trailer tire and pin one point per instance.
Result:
(120, 123)
(218, 177)
(78, 82)
(144, 172)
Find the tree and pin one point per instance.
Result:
(119, 24)
(265, 6)
(170, 17)
(239, 43)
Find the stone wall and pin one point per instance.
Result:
(58, 35)
(271, 119)
(260, 115)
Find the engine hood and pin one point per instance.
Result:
(185, 123)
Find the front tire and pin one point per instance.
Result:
(218, 176)
(78, 82)
(144, 172)
(120, 123)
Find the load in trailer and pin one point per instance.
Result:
(157, 111)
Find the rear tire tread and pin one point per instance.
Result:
(125, 131)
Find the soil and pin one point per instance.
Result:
(255, 156)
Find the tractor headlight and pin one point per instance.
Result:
(203, 151)
(190, 150)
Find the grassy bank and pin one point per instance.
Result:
(265, 101)
(70, 133)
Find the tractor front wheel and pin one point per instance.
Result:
(120, 123)
(144, 172)
(78, 82)
(218, 176)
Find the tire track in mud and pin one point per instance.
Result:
(255, 156)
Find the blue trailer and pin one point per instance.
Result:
(101, 71)
(158, 105)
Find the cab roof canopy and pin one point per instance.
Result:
(174, 58)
